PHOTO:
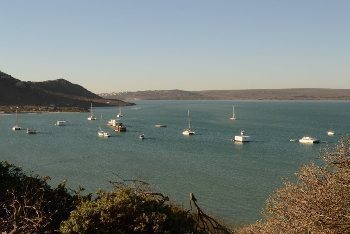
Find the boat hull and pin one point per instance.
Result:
(242, 138)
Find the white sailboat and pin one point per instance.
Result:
(233, 114)
(16, 127)
(188, 131)
(91, 117)
(119, 115)
(102, 133)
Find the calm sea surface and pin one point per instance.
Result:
(230, 180)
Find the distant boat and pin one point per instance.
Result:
(142, 136)
(188, 131)
(102, 133)
(91, 117)
(233, 113)
(330, 132)
(309, 140)
(61, 123)
(16, 127)
(160, 126)
(119, 115)
(31, 131)
(242, 137)
(119, 127)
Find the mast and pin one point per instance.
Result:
(99, 126)
(189, 119)
(233, 112)
(16, 116)
(92, 113)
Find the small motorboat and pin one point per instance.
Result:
(242, 137)
(31, 131)
(330, 132)
(61, 123)
(142, 136)
(309, 140)
(102, 133)
(160, 126)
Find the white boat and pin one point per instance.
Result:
(112, 122)
(242, 137)
(91, 117)
(233, 114)
(142, 136)
(119, 115)
(102, 133)
(31, 131)
(160, 126)
(188, 131)
(61, 123)
(16, 127)
(330, 132)
(309, 140)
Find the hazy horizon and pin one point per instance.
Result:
(114, 46)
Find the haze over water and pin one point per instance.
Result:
(230, 180)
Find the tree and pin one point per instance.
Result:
(29, 205)
(318, 202)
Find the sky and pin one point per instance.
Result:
(130, 45)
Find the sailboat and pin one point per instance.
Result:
(233, 114)
(102, 133)
(119, 115)
(188, 131)
(91, 117)
(16, 127)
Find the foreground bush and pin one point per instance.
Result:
(29, 205)
(129, 210)
(319, 202)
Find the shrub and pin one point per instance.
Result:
(319, 202)
(29, 205)
(129, 210)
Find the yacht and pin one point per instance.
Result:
(242, 137)
(188, 131)
(309, 140)
(112, 122)
(61, 123)
(91, 117)
(102, 133)
(233, 114)
(119, 115)
(31, 131)
(16, 127)
(330, 132)
(119, 127)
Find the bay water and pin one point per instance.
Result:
(230, 180)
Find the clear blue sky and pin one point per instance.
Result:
(121, 45)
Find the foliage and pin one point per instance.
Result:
(28, 204)
(319, 202)
(129, 210)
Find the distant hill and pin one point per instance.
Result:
(250, 94)
(55, 92)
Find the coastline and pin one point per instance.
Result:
(40, 109)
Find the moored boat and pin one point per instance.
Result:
(61, 123)
(31, 131)
(188, 131)
(309, 140)
(242, 137)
